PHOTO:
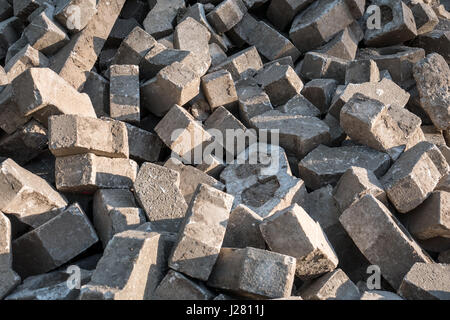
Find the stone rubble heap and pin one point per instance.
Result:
(99, 105)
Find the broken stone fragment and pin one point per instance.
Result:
(382, 239)
(280, 82)
(219, 89)
(49, 286)
(360, 71)
(176, 286)
(243, 229)
(399, 28)
(54, 243)
(26, 143)
(386, 91)
(85, 173)
(242, 64)
(20, 187)
(431, 219)
(263, 180)
(26, 58)
(312, 28)
(75, 14)
(202, 233)
(124, 101)
(160, 19)
(226, 15)
(175, 84)
(334, 285)
(426, 281)
(76, 58)
(157, 191)
(412, 178)
(293, 232)
(270, 43)
(355, 183)
(432, 76)
(182, 134)
(71, 135)
(253, 273)
(115, 210)
(132, 265)
(320, 65)
(190, 178)
(191, 35)
(320, 92)
(41, 92)
(325, 165)
(382, 127)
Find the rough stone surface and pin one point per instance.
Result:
(124, 101)
(176, 286)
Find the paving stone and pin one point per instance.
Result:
(230, 131)
(157, 191)
(298, 134)
(143, 145)
(160, 19)
(325, 165)
(336, 133)
(385, 91)
(129, 258)
(219, 89)
(345, 44)
(298, 105)
(281, 13)
(217, 54)
(199, 107)
(84, 9)
(115, 210)
(212, 166)
(432, 74)
(97, 88)
(26, 58)
(444, 183)
(192, 36)
(270, 43)
(398, 29)
(382, 239)
(355, 183)
(27, 189)
(243, 229)
(134, 47)
(382, 127)
(312, 28)
(121, 29)
(79, 56)
(71, 135)
(124, 102)
(242, 64)
(190, 178)
(320, 92)
(360, 71)
(379, 295)
(175, 84)
(200, 238)
(252, 100)
(424, 17)
(53, 243)
(160, 57)
(182, 134)
(398, 60)
(435, 41)
(85, 173)
(435, 136)
(49, 286)
(25, 144)
(175, 286)
(306, 241)
(431, 219)
(334, 285)
(319, 65)
(280, 82)
(412, 178)
(253, 273)
(9, 34)
(426, 281)
(226, 15)
(34, 93)
(8, 281)
(262, 180)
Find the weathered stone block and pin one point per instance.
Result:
(319, 65)
(320, 92)
(242, 64)
(83, 9)
(124, 101)
(144, 145)
(175, 286)
(134, 47)
(26, 58)
(160, 19)
(202, 233)
(360, 71)
(219, 89)
(282, 12)
(97, 88)
(252, 100)
(424, 17)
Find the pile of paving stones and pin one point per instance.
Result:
(103, 103)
